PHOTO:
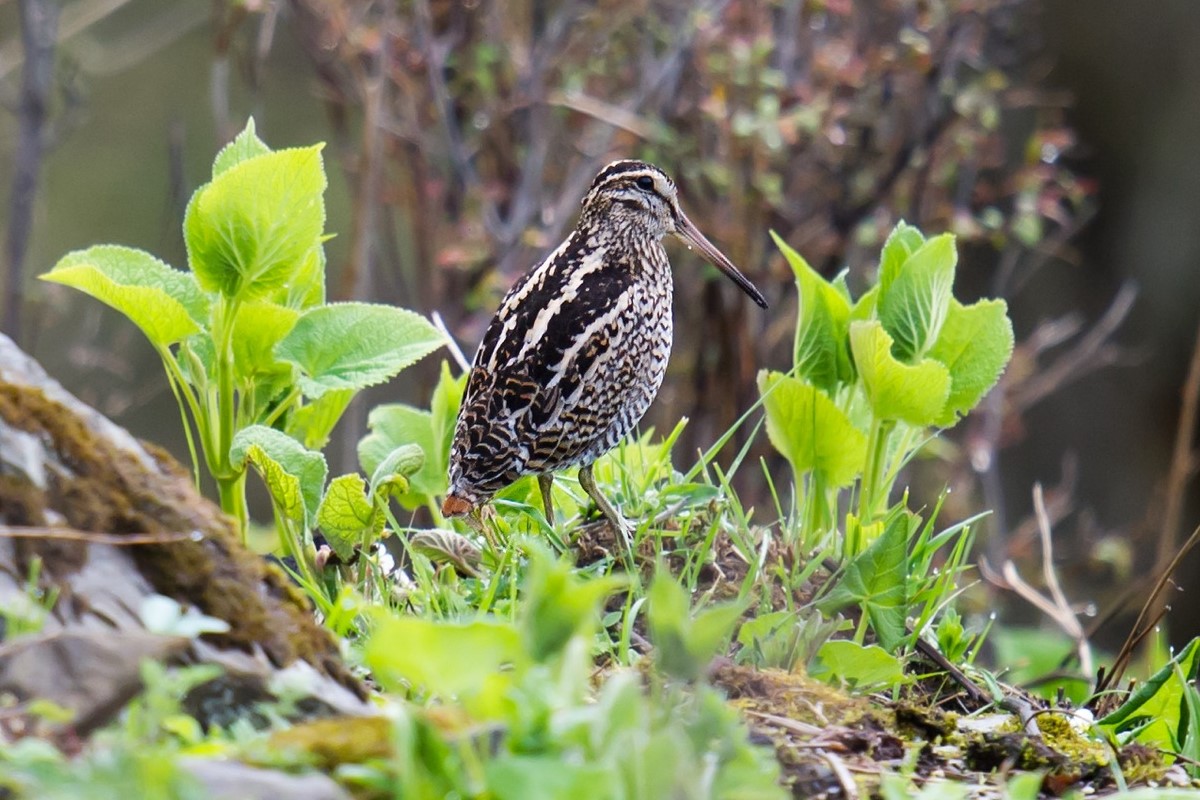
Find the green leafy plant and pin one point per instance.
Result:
(26, 612)
(1164, 711)
(686, 643)
(871, 376)
(530, 678)
(350, 511)
(138, 756)
(397, 424)
(244, 334)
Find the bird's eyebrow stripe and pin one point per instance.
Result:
(618, 167)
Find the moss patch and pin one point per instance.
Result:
(104, 489)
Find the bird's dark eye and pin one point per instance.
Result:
(646, 182)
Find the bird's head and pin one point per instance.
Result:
(634, 197)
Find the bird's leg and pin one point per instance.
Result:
(588, 482)
(546, 484)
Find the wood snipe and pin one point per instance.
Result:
(578, 349)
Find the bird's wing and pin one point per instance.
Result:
(525, 408)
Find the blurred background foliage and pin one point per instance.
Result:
(1056, 139)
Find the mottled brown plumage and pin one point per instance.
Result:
(578, 349)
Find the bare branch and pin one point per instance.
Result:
(39, 27)
(1183, 461)
(1093, 351)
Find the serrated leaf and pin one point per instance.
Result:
(915, 394)
(356, 345)
(250, 230)
(245, 146)
(810, 431)
(913, 306)
(167, 304)
(819, 352)
(876, 579)
(346, 517)
(294, 475)
(975, 345)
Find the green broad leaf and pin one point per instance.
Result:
(896, 786)
(442, 547)
(390, 478)
(547, 777)
(915, 394)
(902, 242)
(394, 425)
(1158, 707)
(475, 662)
(862, 667)
(770, 640)
(975, 345)
(196, 357)
(819, 353)
(346, 517)
(1024, 786)
(250, 231)
(307, 287)
(165, 303)
(810, 431)
(877, 581)
(312, 422)
(865, 307)
(683, 646)
(356, 345)
(257, 328)
(245, 146)
(294, 475)
(1187, 735)
(840, 284)
(913, 306)
(559, 606)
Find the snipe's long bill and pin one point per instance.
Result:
(579, 346)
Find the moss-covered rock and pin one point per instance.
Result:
(106, 521)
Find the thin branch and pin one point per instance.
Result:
(1056, 606)
(91, 537)
(1091, 352)
(39, 28)
(1009, 701)
(1149, 608)
(1183, 460)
